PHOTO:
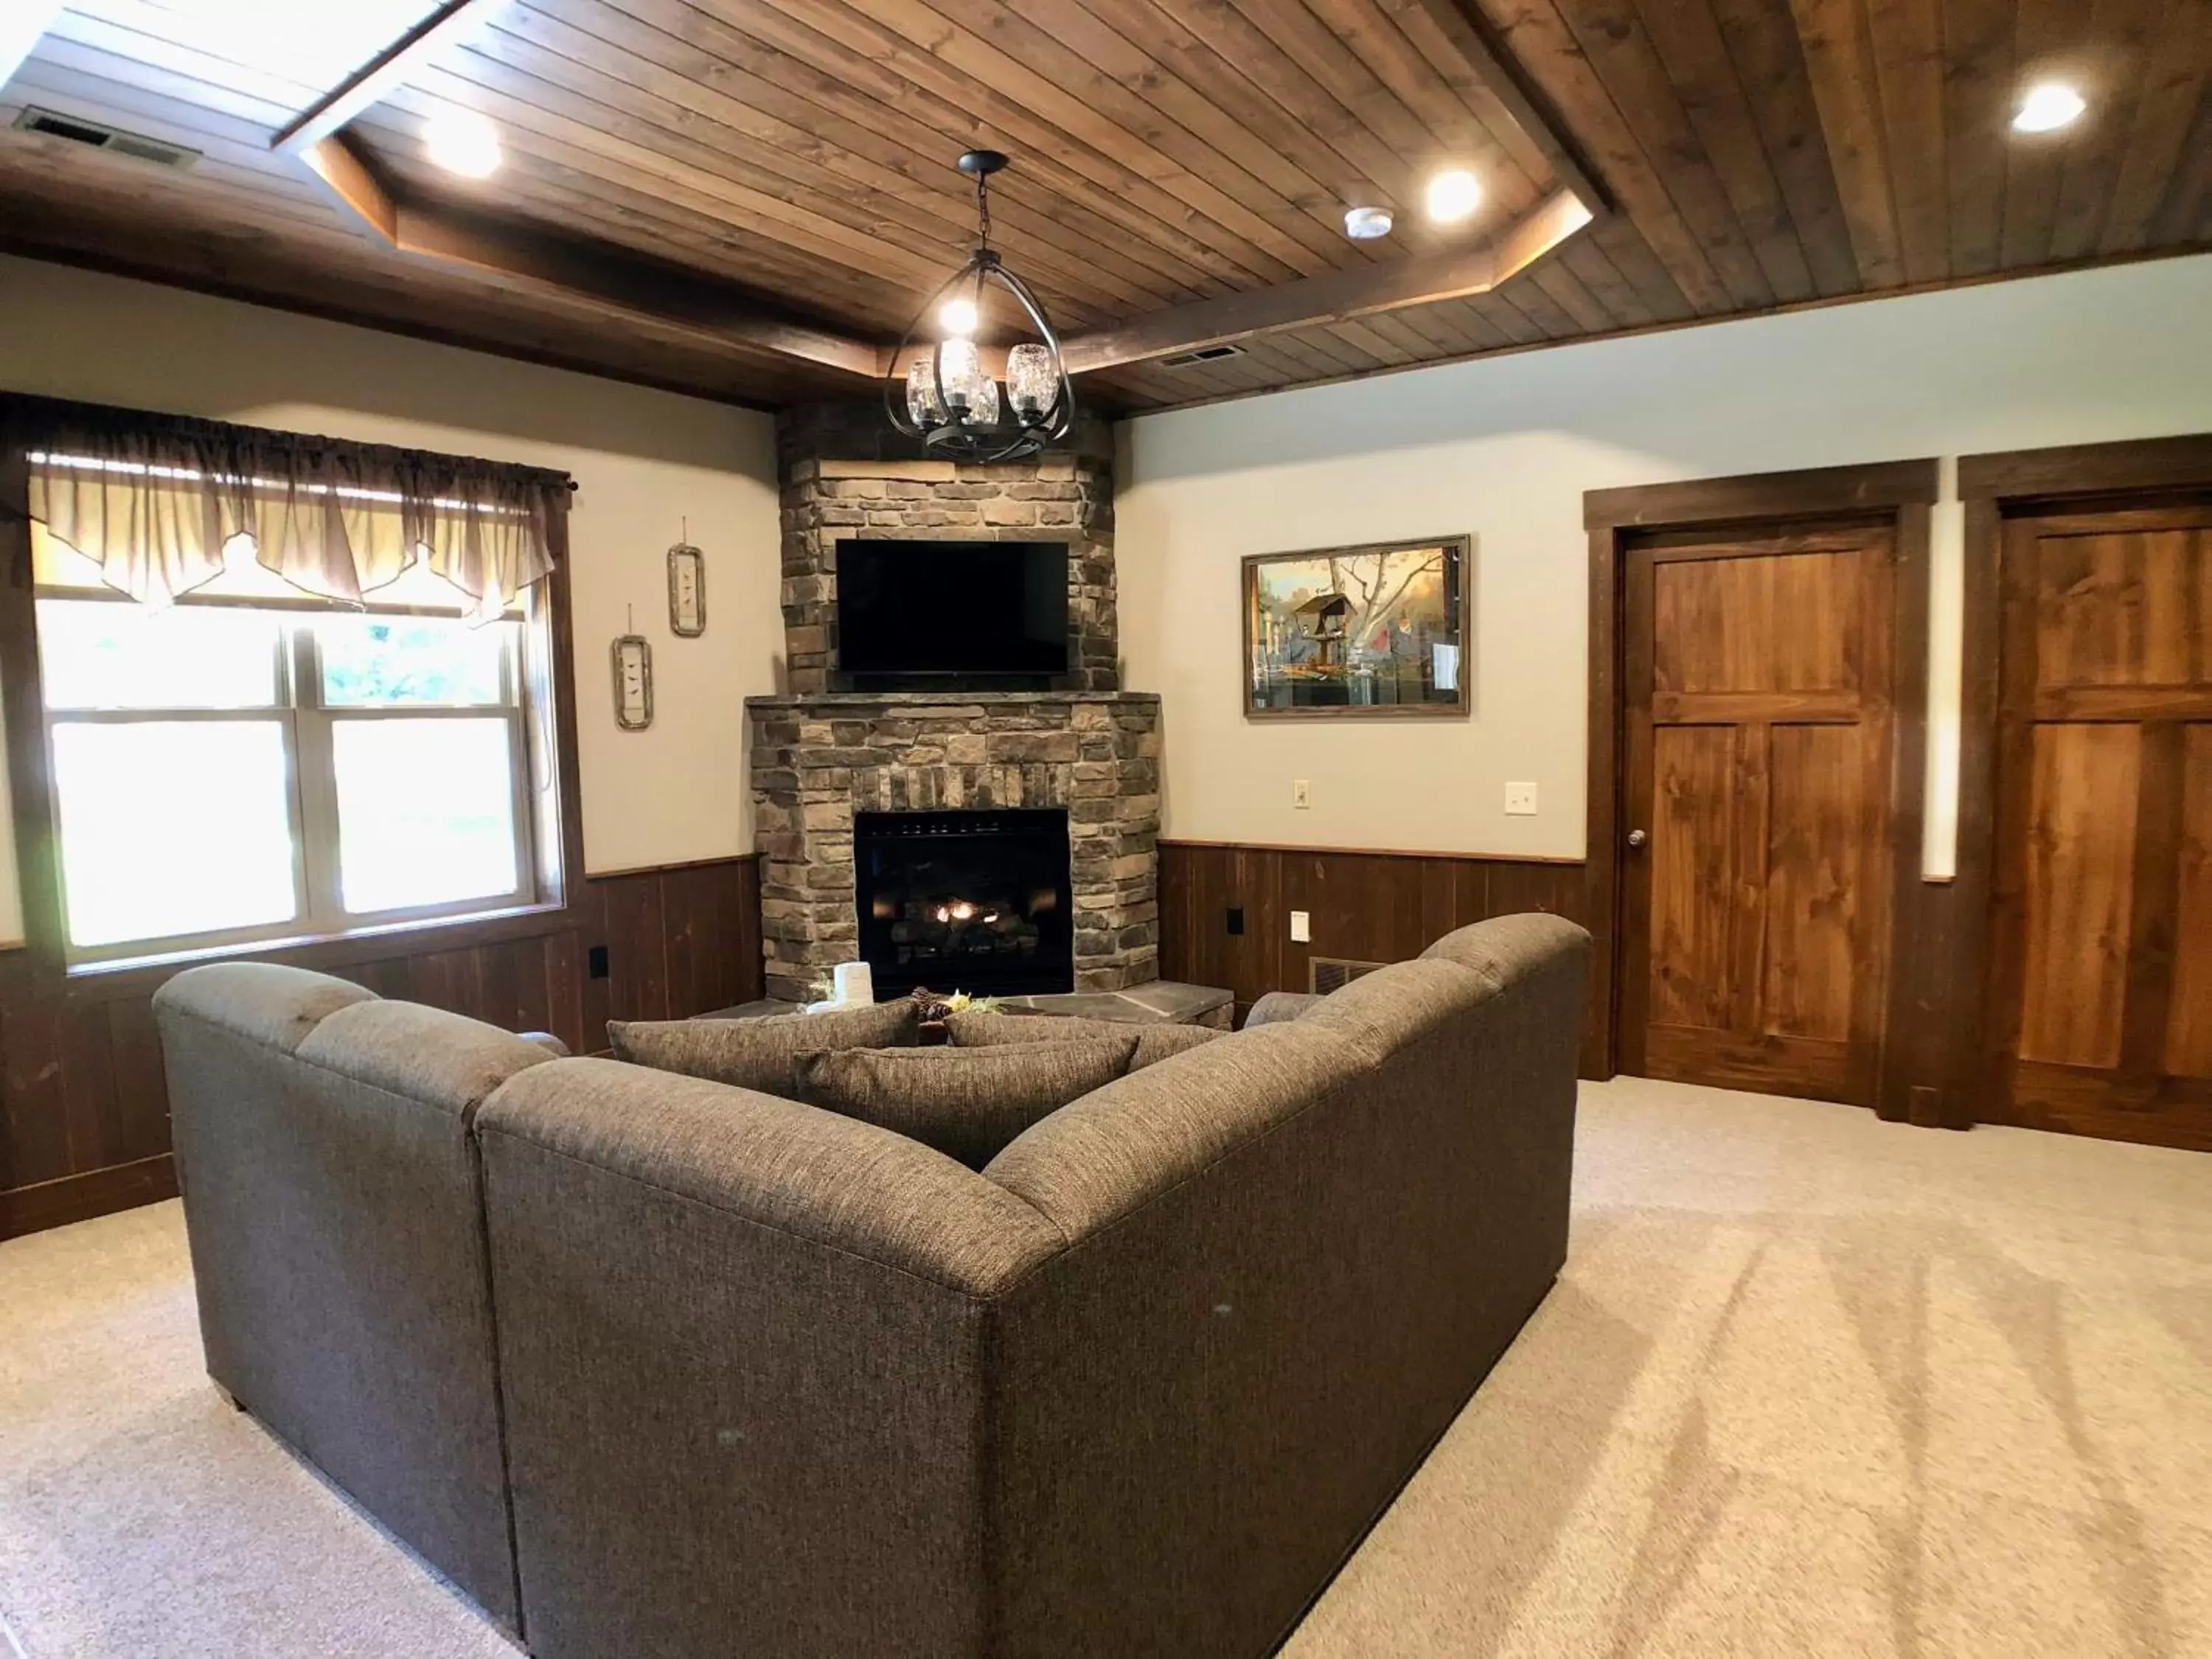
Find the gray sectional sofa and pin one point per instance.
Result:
(647, 1364)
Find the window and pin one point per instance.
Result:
(248, 765)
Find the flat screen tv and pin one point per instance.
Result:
(966, 610)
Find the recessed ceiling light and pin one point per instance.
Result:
(1453, 195)
(957, 318)
(1364, 224)
(461, 140)
(2048, 108)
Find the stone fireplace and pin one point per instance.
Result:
(836, 775)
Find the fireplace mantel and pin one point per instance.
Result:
(843, 705)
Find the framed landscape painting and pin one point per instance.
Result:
(1376, 629)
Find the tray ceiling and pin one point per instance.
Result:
(690, 189)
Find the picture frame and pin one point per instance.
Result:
(633, 681)
(1377, 630)
(687, 591)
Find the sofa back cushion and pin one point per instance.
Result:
(762, 1053)
(1109, 1152)
(984, 1028)
(967, 1103)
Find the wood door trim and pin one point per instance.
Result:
(2141, 465)
(2002, 489)
(1902, 492)
(1823, 492)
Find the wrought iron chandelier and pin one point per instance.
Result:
(944, 394)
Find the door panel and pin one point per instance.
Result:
(1740, 624)
(1693, 875)
(2121, 609)
(2189, 1021)
(2079, 879)
(1819, 794)
(2100, 979)
(1757, 748)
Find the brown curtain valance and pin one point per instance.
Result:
(152, 499)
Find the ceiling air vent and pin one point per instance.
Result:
(1203, 355)
(1326, 974)
(105, 138)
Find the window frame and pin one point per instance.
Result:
(310, 722)
(545, 665)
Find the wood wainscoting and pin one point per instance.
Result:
(1368, 906)
(84, 1114)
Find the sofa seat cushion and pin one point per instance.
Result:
(984, 1028)
(762, 1053)
(970, 1103)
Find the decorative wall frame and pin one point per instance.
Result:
(633, 681)
(1379, 630)
(687, 591)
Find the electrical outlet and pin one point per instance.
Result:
(1298, 796)
(1520, 801)
(1235, 918)
(1301, 927)
(595, 961)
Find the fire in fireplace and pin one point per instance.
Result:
(965, 901)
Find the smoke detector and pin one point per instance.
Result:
(1364, 224)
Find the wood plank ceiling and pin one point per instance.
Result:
(795, 155)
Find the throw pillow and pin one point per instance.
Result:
(982, 1028)
(967, 1103)
(760, 1053)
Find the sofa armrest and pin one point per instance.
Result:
(1278, 1005)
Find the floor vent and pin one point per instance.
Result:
(92, 133)
(1326, 974)
(1203, 355)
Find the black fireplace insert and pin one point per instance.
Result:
(965, 901)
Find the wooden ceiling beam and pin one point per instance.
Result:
(23, 23)
(347, 178)
(443, 28)
(621, 285)
(1461, 23)
(1334, 297)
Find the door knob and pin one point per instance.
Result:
(1637, 838)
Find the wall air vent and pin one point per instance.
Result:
(1203, 355)
(1326, 974)
(98, 136)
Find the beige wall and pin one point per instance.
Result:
(1505, 449)
(645, 462)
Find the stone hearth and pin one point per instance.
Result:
(817, 760)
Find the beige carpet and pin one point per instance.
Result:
(1812, 1384)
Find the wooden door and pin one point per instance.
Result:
(1757, 687)
(2100, 976)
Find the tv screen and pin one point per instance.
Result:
(951, 608)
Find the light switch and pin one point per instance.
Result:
(1301, 927)
(1520, 801)
(1298, 794)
